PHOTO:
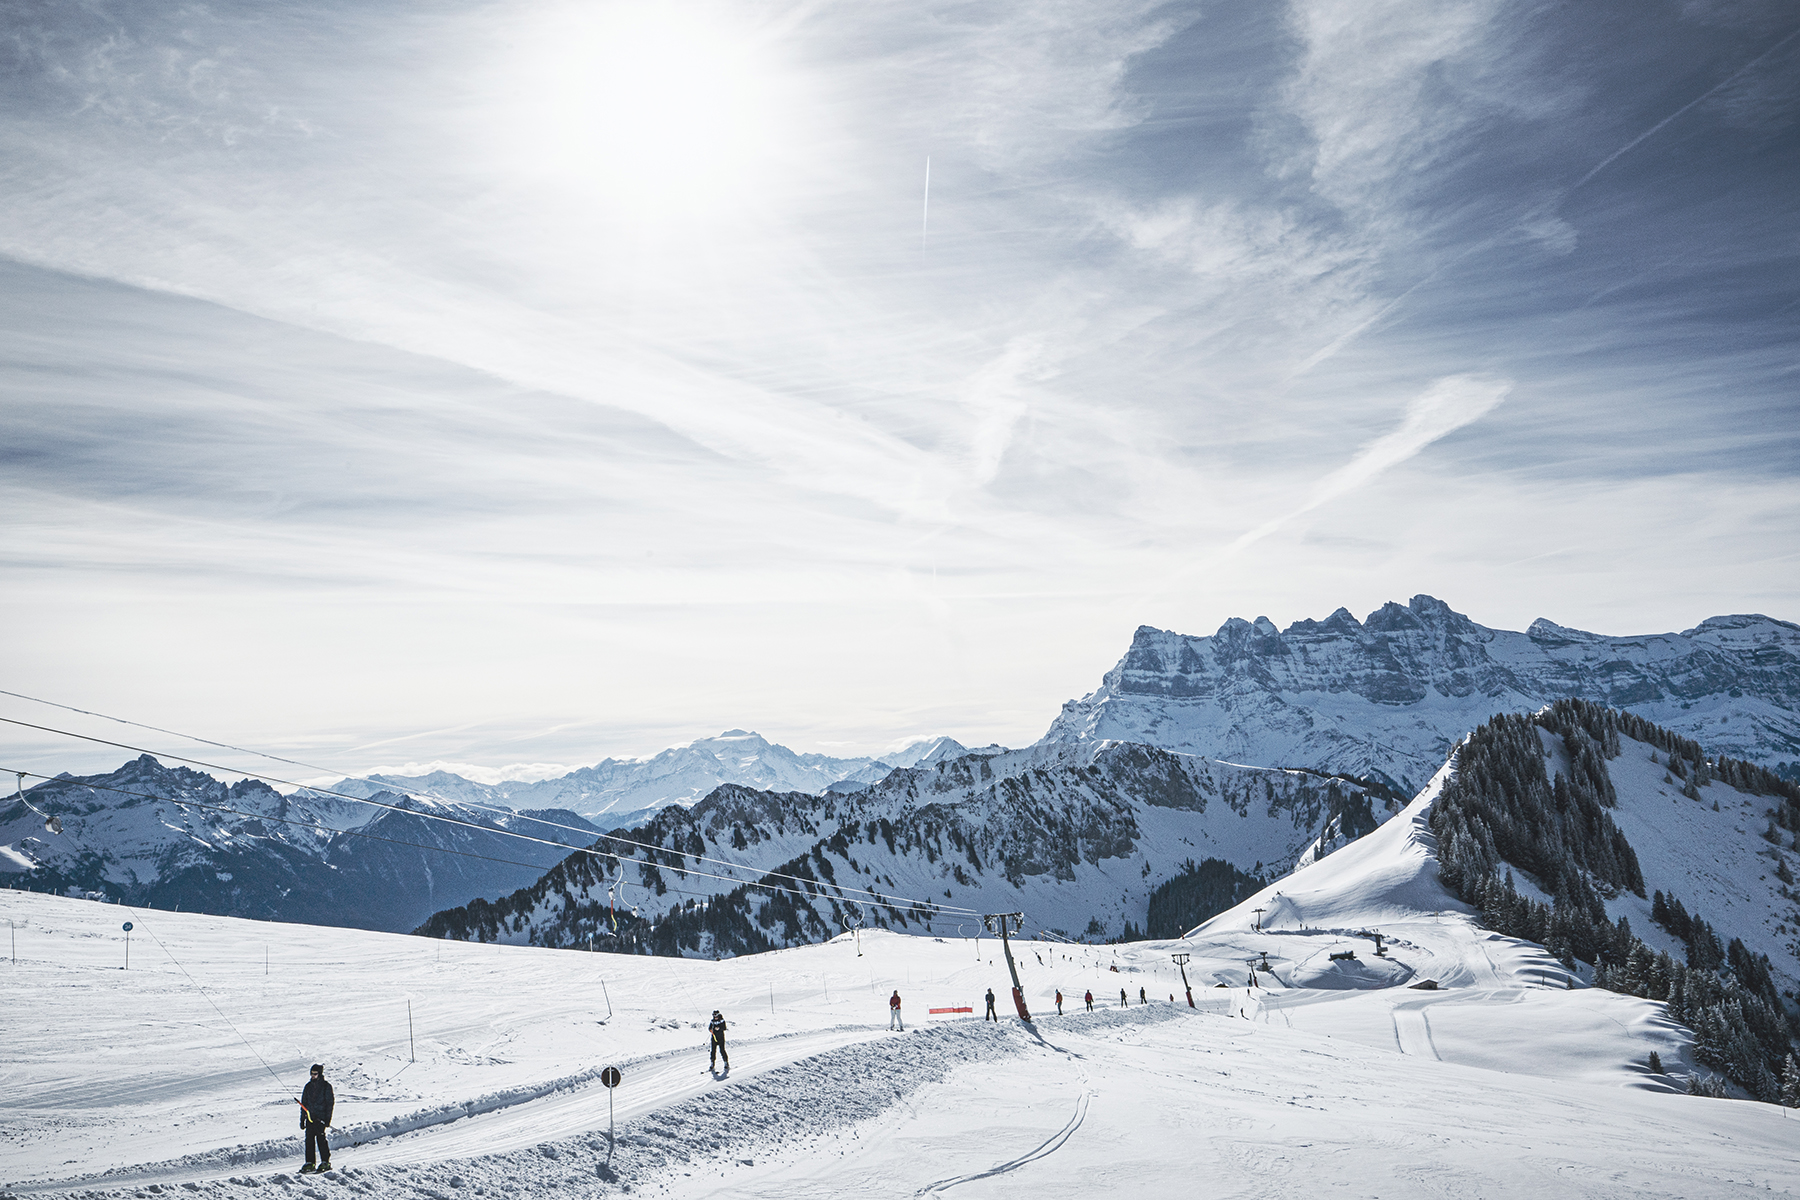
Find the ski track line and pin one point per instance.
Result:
(1044, 1149)
(1412, 1031)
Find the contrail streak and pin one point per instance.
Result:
(925, 216)
(1607, 161)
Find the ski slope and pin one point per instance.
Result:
(1331, 1073)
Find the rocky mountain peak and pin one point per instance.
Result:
(1387, 696)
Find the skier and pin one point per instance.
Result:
(1090, 999)
(1059, 1002)
(316, 1102)
(716, 1027)
(1123, 1003)
(990, 1008)
(1142, 999)
(894, 1021)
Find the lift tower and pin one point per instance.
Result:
(1181, 960)
(997, 923)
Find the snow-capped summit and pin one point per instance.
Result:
(620, 787)
(1388, 695)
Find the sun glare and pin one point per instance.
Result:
(650, 107)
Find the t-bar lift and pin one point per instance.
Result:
(997, 923)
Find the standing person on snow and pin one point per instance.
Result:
(1059, 1002)
(1142, 999)
(1123, 1002)
(894, 1021)
(716, 1027)
(316, 1102)
(990, 1008)
(1090, 999)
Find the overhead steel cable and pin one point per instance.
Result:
(171, 732)
(876, 897)
(248, 1045)
(619, 858)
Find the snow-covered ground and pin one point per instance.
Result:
(469, 1069)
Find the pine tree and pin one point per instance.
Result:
(1790, 1083)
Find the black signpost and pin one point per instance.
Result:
(610, 1077)
(127, 928)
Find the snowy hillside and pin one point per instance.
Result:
(1388, 696)
(633, 787)
(1081, 837)
(466, 1069)
(1590, 828)
(148, 834)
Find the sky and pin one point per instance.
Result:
(518, 384)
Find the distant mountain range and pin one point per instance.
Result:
(174, 837)
(1388, 696)
(631, 788)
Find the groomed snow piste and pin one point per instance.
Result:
(1332, 1075)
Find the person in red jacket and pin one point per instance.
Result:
(1090, 999)
(1059, 1002)
(894, 1021)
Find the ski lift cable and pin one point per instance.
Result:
(139, 919)
(878, 897)
(621, 860)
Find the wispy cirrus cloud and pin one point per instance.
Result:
(1445, 407)
(396, 325)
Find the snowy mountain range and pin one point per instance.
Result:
(1388, 696)
(1080, 836)
(631, 788)
(1199, 770)
(175, 837)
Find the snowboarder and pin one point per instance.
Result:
(1090, 999)
(1142, 999)
(1059, 1002)
(716, 1027)
(894, 1021)
(1123, 1002)
(990, 1008)
(316, 1102)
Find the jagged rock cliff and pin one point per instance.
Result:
(1388, 696)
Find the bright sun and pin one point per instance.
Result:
(649, 107)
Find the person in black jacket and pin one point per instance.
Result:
(716, 1027)
(316, 1102)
